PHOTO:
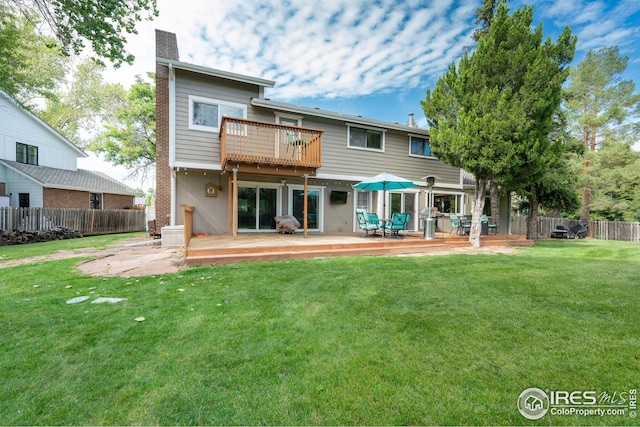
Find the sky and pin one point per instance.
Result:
(373, 58)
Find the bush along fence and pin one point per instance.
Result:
(86, 221)
(604, 230)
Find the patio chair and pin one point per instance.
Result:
(398, 223)
(455, 223)
(490, 225)
(368, 222)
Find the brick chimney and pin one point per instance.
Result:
(166, 47)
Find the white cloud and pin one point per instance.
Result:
(339, 49)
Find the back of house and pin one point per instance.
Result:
(240, 159)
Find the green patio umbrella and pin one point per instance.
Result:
(384, 181)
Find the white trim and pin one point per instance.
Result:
(258, 185)
(376, 150)
(215, 73)
(216, 102)
(316, 112)
(420, 156)
(321, 189)
(174, 199)
(172, 116)
(295, 117)
(197, 165)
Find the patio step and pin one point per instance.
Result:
(369, 247)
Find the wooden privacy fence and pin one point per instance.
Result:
(604, 230)
(87, 221)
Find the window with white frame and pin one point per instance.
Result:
(419, 146)
(27, 154)
(366, 138)
(206, 113)
(288, 119)
(363, 200)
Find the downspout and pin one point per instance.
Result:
(172, 143)
(174, 187)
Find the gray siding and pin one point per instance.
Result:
(338, 159)
(194, 146)
(200, 146)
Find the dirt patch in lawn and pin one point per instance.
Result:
(128, 257)
(143, 257)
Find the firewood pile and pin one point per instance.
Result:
(20, 237)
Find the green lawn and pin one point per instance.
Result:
(444, 340)
(11, 253)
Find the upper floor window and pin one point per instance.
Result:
(288, 119)
(420, 146)
(206, 113)
(27, 154)
(366, 138)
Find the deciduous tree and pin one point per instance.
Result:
(31, 65)
(131, 139)
(103, 24)
(85, 104)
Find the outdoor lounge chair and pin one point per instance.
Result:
(490, 225)
(368, 222)
(398, 223)
(455, 223)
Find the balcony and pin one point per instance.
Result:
(269, 148)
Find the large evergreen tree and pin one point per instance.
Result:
(603, 109)
(492, 114)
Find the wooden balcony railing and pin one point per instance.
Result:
(263, 143)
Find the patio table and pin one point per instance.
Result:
(465, 226)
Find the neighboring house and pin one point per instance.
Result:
(216, 129)
(38, 167)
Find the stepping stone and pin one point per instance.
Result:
(77, 300)
(109, 300)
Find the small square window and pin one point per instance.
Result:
(420, 146)
(366, 138)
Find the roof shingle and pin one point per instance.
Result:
(81, 179)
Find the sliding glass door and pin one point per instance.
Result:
(314, 205)
(257, 205)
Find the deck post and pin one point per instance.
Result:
(305, 203)
(235, 203)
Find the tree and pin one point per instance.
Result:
(602, 106)
(554, 190)
(131, 139)
(615, 184)
(85, 105)
(484, 16)
(31, 64)
(492, 114)
(103, 24)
